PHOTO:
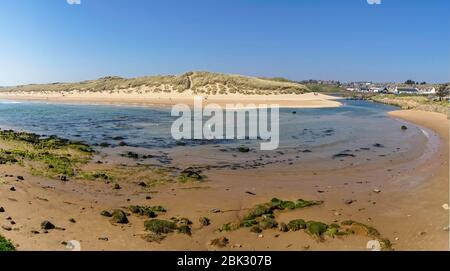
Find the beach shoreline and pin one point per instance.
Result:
(409, 222)
(307, 100)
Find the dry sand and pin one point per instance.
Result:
(408, 210)
(307, 100)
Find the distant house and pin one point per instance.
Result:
(402, 90)
(427, 91)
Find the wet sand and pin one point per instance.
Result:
(407, 209)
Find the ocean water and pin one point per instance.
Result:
(358, 123)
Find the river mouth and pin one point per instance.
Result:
(357, 133)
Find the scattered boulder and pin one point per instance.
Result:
(143, 184)
(72, 220)
(243, 149)
(6, 228)
(2, 210)
(349, 201)
(378, 145)
(47, 225)
(117, 186)
(63, 178)
(20, 178)
(403, 127)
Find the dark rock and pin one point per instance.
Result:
(143, 184)
(2, 210)
(72, 220)
(349, 201)
(378, 145)
(243, 149)
(63, 178)
(404, 127)
(47, 225)
(6, 228)
(12, 188)
(339, 155)
(103, 239)
(116, 186)
(20, 178)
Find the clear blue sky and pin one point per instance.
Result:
(50, 41)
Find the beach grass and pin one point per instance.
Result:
(198, 82)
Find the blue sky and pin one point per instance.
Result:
(52, 41)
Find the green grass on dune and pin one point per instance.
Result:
(199, 82)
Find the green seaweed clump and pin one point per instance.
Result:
(160, 226)
(296, 224)
(149, 211)
(354, 227)
(316, 228)
(119, 216)
(6, 245)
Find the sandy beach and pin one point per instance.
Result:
(133, 97)
(401, 198)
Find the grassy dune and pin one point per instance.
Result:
(197, 82)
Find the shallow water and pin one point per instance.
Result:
(355, 124)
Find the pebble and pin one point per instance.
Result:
(445, 206)
(349, 201)
(260, 236)
(6, 228)
(103, 239)
(377, 190)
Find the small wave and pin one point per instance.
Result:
(10, 102)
